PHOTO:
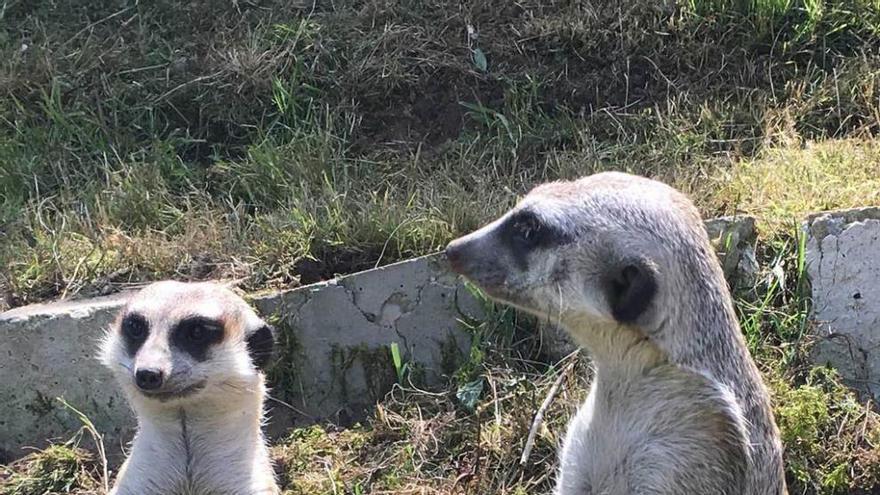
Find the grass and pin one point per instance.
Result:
(783, 185)
(58, 469)
(279, 143)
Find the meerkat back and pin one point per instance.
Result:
(190, 358)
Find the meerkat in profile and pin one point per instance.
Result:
(623, 263)
(189, 357)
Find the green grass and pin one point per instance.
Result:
(58, 469)
(279, 143)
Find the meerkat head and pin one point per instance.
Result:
(174, 341)
(602, 248)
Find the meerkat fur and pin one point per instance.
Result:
(623, 263)
(189, 358)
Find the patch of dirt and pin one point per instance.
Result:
(430, 112)
(333, 264)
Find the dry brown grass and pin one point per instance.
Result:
(781, 185)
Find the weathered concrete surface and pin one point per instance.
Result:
(49, 351)
(334, 338)
(734, 239)
(843, 263)
(334, 360)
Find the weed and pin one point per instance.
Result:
(400, 367)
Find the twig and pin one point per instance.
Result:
(92, 25)
(96, 437)
(539, 416)
(390, 236)
(290, 406)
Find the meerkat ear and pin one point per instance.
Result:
(630, 290)
(260, 345)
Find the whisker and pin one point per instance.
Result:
(235, 387)
(289, 406)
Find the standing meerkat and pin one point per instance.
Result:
(623, 263)
(189, 358)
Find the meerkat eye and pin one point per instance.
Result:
(135, 327)
(527, 228)
(201, 330)
(196, 334)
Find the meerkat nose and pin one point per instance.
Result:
(148, 378)
(454, 255)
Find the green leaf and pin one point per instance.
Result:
(398, 361)
(469, 394)
(480, 60)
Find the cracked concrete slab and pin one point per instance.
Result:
(843, 264)
(334, 359)
(49, 351)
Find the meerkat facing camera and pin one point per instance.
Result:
(189, 357)
(623, 263)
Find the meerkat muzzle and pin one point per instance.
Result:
(149, 378)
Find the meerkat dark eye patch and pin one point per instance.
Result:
(195, 335)
(524, 232)
(135, 329)
(260, 345)
(630, 291)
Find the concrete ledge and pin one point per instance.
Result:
(334, 338)
(843, 263)
(333, 360)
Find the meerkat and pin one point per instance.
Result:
(189, 358)
(623, 263)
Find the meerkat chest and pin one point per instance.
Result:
(643, 430)
(199, 459)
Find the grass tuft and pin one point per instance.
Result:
(58, 469)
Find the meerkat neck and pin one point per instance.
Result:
(698, 327)
(695, 326)
(230, 425)
(211, 446)
(614, 347)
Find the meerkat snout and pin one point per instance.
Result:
(190, 359)
(149, 378)
(623, 263)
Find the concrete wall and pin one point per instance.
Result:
(333, 360)
(843, 263)
(49, 351)
(333, 338)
